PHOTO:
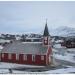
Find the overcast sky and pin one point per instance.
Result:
(20, 17)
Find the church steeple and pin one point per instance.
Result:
(46, 35)
(46, 32)
(47, 43)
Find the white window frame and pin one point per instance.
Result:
(42, 57)
(17, 56)
(25, 57)
(2, 55)
(33, 58)
(45, 41)
(46, 38)
(9, 56)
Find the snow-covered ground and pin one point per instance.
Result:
(4, 70)
(63, 71)
(67, 56)
(57, 71)
(4, 67)
(11, 65)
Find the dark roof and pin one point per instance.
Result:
(25, 48)
(46, 32)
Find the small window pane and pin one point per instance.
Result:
(17, 56)
(25, 57)
(45, 41)
(9, 56)
(45, 38)
(33, 57)
(42, 57)
(2, 55)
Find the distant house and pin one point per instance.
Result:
(32, 53)
(4, 42)
(33, 39)
(18, 37)
(58, 41)
(69, 43)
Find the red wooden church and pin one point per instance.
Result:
(29, 53)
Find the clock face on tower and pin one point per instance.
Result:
(45, 40)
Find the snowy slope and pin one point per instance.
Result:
(63, 31)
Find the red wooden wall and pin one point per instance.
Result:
(49, 52)
(21, 60)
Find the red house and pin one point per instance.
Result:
(38, 53)
(69, 43)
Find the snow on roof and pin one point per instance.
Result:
(3, 41)
(25, 48)
(32, 42)
(59, 41)
(32, 38)
(71, 49)
(58, 46)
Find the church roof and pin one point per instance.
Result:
(25, 48)
(46, 32)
